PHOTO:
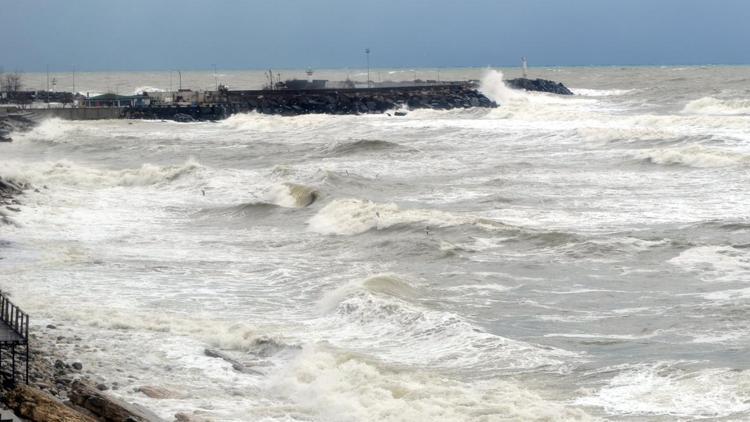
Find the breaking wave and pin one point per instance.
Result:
(355, 216)
(70, 173)
(292, 195)
(362, 145)
(389, 310)
(338, 386)
(600, 92)
(285, 195)
(715, 106)
(693, 156)
(493, 87)
(663, 389)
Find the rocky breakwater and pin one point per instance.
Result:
(360, 101)
(539, 85)
(289, 102)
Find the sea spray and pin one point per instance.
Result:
(493, 87)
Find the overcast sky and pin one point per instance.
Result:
(187, 34)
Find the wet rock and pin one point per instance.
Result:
(236, 365)
(108, 408)
(184, 417)
(102, 387)
(157, 392)
(77, 366)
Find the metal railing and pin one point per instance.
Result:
(14, 317)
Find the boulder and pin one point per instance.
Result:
(108, 408)
(184, 417)
(157, 392)
(38, 406)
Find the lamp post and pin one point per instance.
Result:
(367, 52)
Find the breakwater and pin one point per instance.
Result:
(76, 113)
(325, 101)
(539, 85)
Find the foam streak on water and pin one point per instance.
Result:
(557, 258)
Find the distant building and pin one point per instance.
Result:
(114, 100)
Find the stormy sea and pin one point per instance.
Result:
(556, 258)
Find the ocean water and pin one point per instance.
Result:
(557, 258)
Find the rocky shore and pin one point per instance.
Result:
(60, 389)
(63, 389)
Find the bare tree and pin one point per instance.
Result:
(12, 82)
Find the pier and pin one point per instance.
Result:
(14, 335)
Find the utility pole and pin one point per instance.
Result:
(367, 52)
(179, 73)
(216, 79)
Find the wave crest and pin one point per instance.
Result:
(355, 216)
(715, 106)
(693, 156)
(70, 173)
(362, 145)
(392, 313)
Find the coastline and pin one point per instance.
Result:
(59, 388)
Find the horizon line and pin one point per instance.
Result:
(263, 69)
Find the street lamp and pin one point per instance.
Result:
(367, 52)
